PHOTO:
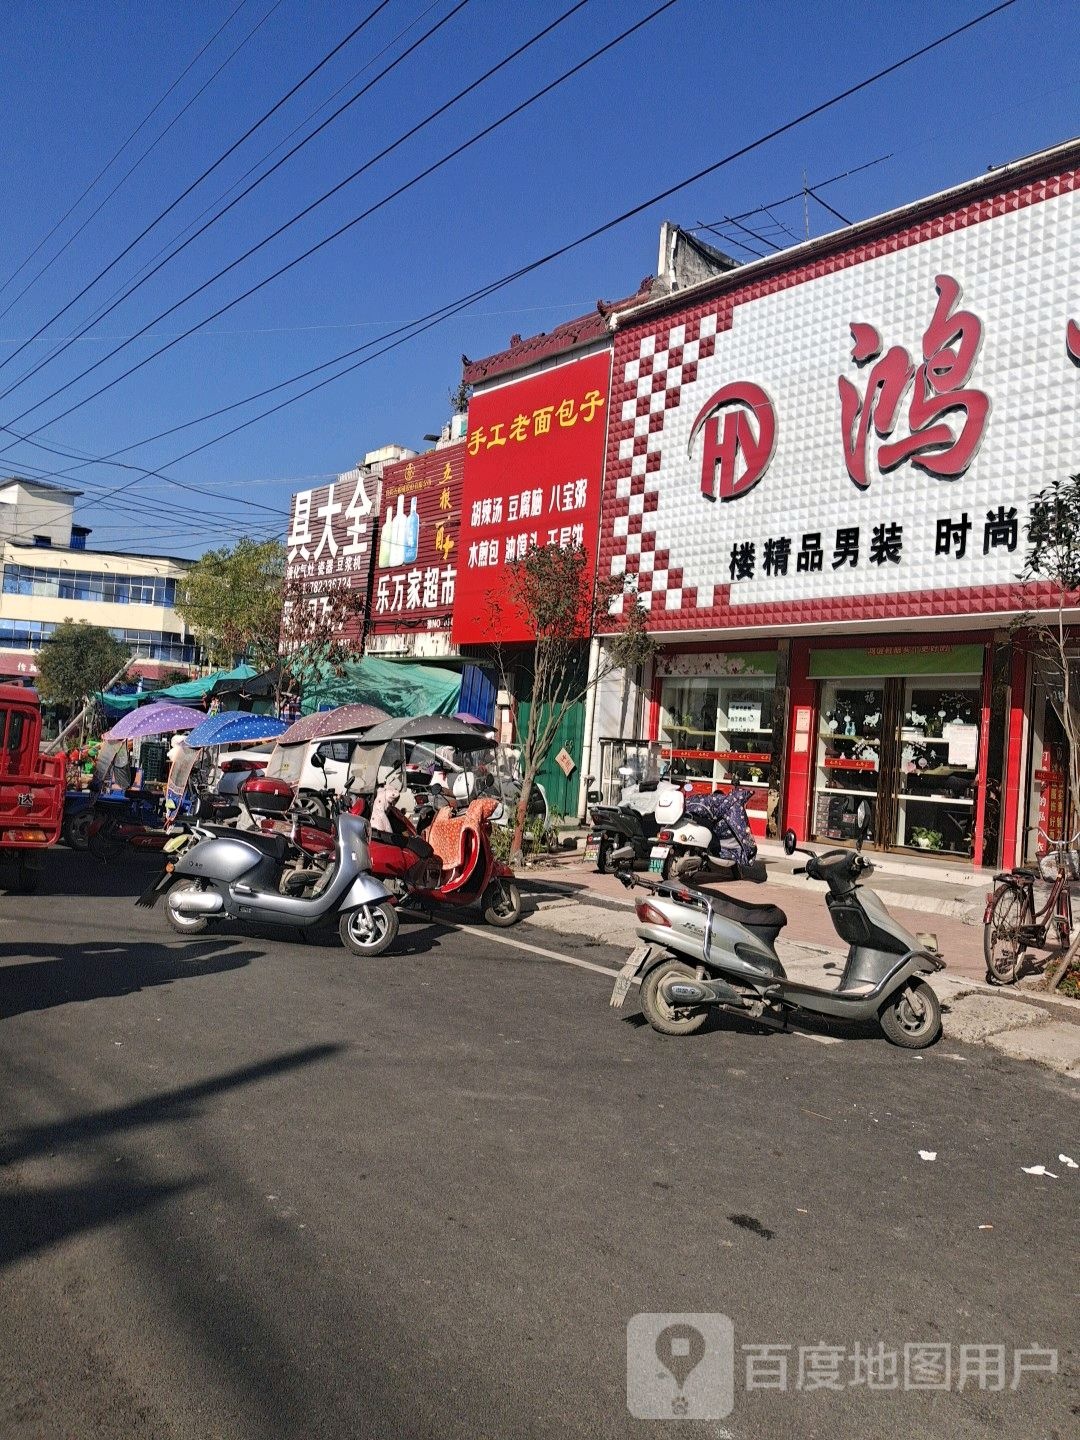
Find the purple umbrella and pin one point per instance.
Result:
(159, 718)
(342, 721)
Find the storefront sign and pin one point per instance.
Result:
(416, 562)
(533, 465)
(884, 661)
(857, 439)
(328, 545)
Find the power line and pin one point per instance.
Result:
(116, 155)
(341, 230)
(131, 170)
(294, 219)
(100, 309)
(826, 206)
(198, 181)
(435, 317)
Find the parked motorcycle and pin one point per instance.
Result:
(699, 835)
(236, 875)
(703, 952)
(616, 826)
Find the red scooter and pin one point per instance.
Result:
(451, 864)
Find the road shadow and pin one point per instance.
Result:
(50, 973)
(33, 1218)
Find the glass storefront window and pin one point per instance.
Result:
(719, 730)
(849, 753)
(939, 758)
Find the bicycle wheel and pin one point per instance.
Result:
(1007, 912)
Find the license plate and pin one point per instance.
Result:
(592, 847)
(626, 975)
(657, 855)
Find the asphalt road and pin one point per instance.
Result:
(254, 1188)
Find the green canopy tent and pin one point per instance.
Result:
(184, 693)
(398, 687)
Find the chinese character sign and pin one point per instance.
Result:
(534, 457)
(860, 438)
(417, 557)
(328, 544)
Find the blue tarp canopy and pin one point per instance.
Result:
(235, 727)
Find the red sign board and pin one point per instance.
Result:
(534, 461)
(416, 561)
(329, 541)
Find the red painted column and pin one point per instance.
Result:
(984, 755)
(1012, 807)
(801, 744)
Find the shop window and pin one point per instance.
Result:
(719, 731)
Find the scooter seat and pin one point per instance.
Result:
(754, 917)
(275, 846)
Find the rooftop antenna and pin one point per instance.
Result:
(805, 207)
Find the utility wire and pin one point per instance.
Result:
(131, 170)
(116, 155)
(205, 174)
(294, 219)
(405, 333)
(266, 155)
(336, 234)
(826, 206)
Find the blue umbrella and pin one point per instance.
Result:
(235, 727)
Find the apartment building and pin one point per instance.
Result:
(49, 575)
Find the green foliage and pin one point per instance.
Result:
(76, 660)
(232, 600)
(1053, 542)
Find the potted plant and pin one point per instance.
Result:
(925, 838)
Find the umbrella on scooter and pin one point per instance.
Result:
(344, 720)
(162, 717)
(235, 728)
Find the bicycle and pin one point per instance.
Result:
(1012, 922)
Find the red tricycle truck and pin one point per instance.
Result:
(31, 790)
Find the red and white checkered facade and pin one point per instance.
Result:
(1016, 256)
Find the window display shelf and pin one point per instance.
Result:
(934, 799)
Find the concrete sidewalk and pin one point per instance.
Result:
(574, 900)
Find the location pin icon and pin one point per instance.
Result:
(680, 1349)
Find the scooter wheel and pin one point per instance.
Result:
(660, 1015)
(183, 924)
(912, 1019)
(501, 903)
(77, 830)
(603, 857)
(370, 930)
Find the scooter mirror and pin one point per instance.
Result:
(790, 842)
(318, 761)
(862, 820)
(593, 797)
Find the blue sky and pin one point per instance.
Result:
(696, 83)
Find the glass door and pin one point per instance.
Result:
(849, 755)
(938, 760)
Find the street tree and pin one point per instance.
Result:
(321, 629)
(553, 590)
(1052, 566)
(76, 660)
(232, 598)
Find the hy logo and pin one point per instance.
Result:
(737, 427)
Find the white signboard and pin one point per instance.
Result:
(743, 715)
(855, 441)
(963, 744)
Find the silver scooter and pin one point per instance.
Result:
(702, 952)
(235, 874)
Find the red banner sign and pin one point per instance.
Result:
(534, 460)
(838, 762)
(416, 562)
(743, 757)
